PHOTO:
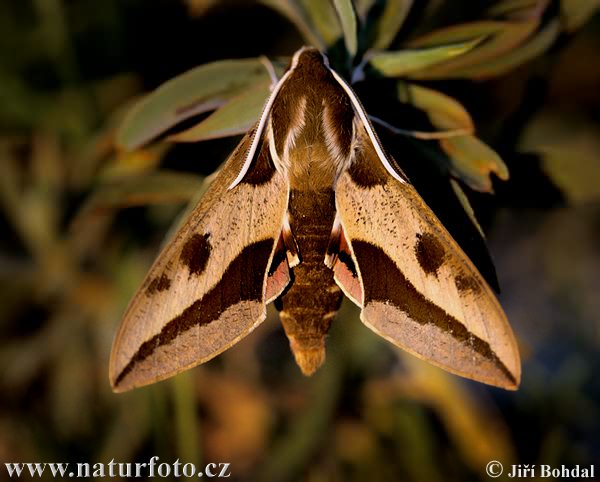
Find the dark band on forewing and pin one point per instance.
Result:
(241, 281)
(384, 282)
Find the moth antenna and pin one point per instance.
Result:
(422, 135)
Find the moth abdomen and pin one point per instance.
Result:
(313, 298)
(306, 316)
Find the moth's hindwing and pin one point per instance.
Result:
(414, 284)
(209, 286)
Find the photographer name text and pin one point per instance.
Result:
(547, 471)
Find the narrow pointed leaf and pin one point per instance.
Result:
(466, 204)
(518, 9)
(315, 19)
(501, 37)
(474, 161)
(403, 62)
(235, 117)
(347, 17)
(531, 48)
(323, 19)
(362, 7)
(443, 111)
(389, 23)
(199, 90)
(296, 14)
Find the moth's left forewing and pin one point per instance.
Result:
(209, 286)
(419, 290)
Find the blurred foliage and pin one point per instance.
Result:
(82, 221)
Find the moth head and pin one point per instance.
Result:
(307, 57)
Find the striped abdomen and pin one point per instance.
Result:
(313, 298)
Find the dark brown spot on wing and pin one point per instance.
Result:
(262, 169)
(196, 252)
(241, 281)
(160, 283)
(430, 253)
(466, 283)
(384, 282)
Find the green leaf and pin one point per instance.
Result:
(323, 19)
(235, 117)
(443, 111)
(533, 47)
(297, 15)
(473, 162)
(316, 20)
(403, 62)
(390, 21)
(502, 37)
(159, 187)
(575, 13)
(199, 90)
(347, 16)
(518, 9)
(362, 7)
(466, 204)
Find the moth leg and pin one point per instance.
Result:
(333, 248)
(289, 241)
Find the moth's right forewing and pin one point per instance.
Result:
(208, 288)
(418, 289)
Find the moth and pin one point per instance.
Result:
(308, 208)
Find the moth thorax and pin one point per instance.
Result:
(309, 352)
